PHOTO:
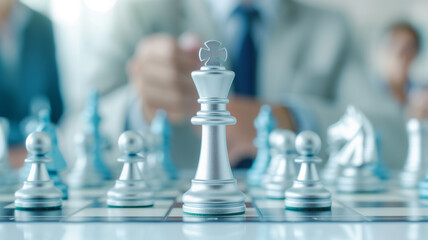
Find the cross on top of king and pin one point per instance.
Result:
(214, 55)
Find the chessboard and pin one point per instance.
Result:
(89, 205)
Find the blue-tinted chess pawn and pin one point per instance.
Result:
(265, 123)
(380, 169)
(92, 122)
(58, 163)
(162, 127)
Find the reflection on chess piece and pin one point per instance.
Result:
(264, 123)
(161, 127)
(130, 189)
(214, 190)
(357, 154)
(84, 173)
(58, 163)
(417, 156)
(8, 177)
(307, 193)
(153, 170)
(38, 191)
(281, 172)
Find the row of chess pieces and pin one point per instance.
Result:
(90, 168)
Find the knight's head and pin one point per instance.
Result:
(347, 126)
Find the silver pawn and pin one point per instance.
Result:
(281, 172)
(307, 192)
(38, 191)
(153, 170)
(84, 173)
(130, 189)
(214, 190)
(417, 154)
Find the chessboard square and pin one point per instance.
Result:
(122, 212)
(392, 211)
(369, 197)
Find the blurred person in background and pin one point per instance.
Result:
(298, 58)
(28, 69)
(400, 50)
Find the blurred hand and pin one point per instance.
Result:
(240, 136)
(160, 72)
(5, 7)
(17, 155)
(418, 104)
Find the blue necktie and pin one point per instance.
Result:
(246, 61)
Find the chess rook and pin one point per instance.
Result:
(38, 191)
(307, 192)
(281, 172)
(417, 156)
(214, 190)
(130, 189)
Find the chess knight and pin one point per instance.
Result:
(353, 153)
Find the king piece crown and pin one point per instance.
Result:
(214, 55)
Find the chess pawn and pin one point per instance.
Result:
(307, 192)
(130, 189)
(282, 171)
(38, 191)
(84, 173)
(264, 123)
(214, 190)
(417, 156)
(152, 169)
(58, 163)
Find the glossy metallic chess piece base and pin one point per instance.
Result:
(307, 192)
(130, 194)
(38, 192)
(214, 190)
(38, 195)
(130, 189)
(359, 180)
(214, 197)
(307, 196)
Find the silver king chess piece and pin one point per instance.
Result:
(357, 154)
(214, 190)
(38, 191)
(130, 189)
(417, 154)
(307, 193)
(281, 172)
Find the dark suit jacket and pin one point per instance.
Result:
(37, 74)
